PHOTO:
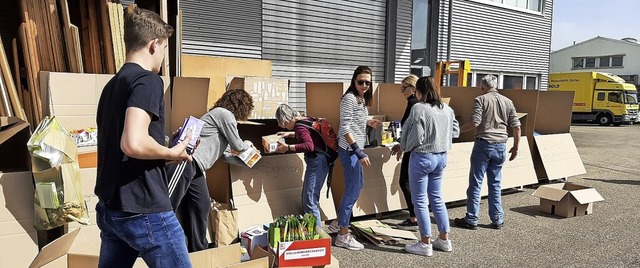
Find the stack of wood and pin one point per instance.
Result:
(59, 36)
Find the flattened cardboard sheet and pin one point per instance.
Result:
(559, 156)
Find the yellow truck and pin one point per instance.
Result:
(599, 97)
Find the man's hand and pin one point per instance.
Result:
(514, 153)
(179, 152)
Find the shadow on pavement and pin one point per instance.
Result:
(628, 182)
(533, 211)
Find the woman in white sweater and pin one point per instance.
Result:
(427, 134)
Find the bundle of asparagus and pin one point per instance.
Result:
(292, 228)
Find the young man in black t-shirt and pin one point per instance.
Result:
(134, 211)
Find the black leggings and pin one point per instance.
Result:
(404, 183)
(191, 202)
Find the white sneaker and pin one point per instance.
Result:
(333, 227)
(442, 245)
(420, 249)
(348, 241)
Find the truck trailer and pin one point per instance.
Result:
(599, 97)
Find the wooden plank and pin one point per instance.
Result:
(5, 104)
(120, 15)
(68, 38)
(94, 37)
(107, 43)
(16, 68)
(87, 58)
(164, 15)
(56, 38)
(10, 85)
(114, 35)
(75, 34)
(30, 62)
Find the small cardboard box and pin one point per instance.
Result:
(304, 253)
(270, 142)
(253, 237)
(567, 199)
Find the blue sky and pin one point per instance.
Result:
(579, 20)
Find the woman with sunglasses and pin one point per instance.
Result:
(351, 138)
(408, 90)
(427, 135)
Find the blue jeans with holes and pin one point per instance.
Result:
(425, 178)
(486, 158)
(314, 177)
(156, 237)
(353, 182)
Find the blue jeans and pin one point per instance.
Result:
(314, 177)
(353, 181)
(486, 158)
(425, 178)
(156, 237)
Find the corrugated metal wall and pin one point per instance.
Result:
(225, 28)
(498, 39)
(403, 40)
(322, 40)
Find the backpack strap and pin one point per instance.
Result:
(309, 125)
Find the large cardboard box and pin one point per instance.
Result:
(217, 69)
(73, 97)
(273, 187)
(81, 248)
(267, 93)
(567, 199)
(18, 238)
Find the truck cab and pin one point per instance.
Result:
(617, 103)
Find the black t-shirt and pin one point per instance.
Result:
(125, 183)
(410, 102)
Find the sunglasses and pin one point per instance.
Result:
(363, 82)
(403, 88)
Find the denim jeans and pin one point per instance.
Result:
(425, 176)
(353, 181)
(314, 177)
(156, 237)
(486, 158)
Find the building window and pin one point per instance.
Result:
(532, 82)
(616, 61)
(578, 63)
(604, 62)
(533, 5)
(512, 82)
(590, 63)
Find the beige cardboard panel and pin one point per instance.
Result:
(71, 88)
(461, 98)
(273, 187)
(189, 98)
(554, 112)
(75, 110)
(323, 100)
(520, 171)
(218, 182)
(392, 102)
(559, 156)
(18, 250)
(268, 93)
(56, 249)
(16, 198)
(75, 122)
(218, 68)
(585, 196)
(525, 101)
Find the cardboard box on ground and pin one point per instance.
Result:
(18, 238)
(567, 199)
(79, 249)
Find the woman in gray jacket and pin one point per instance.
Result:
(427, 134)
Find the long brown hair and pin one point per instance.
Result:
(368, 96)
(237, 101)
(429, 90)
